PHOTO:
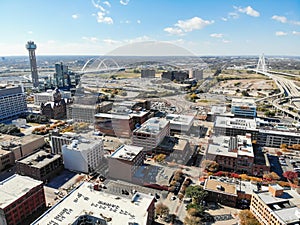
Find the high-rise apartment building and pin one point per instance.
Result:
(31, 47)
(12, 103)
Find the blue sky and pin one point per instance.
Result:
(204, 27)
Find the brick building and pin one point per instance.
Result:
(41, 165)
(20, 197)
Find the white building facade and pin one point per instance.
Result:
(83, 155)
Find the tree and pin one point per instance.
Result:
(192, 220)
(162, 210)
(159, 158)
(196, 193)
(211, 166)
(290, 175)
(247, 218)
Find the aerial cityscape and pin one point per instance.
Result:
(150, 112)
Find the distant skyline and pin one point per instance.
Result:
(203, 27)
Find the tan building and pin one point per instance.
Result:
(125, 161)
(222, 192)
(276, 206)
(21, 146)
(40, 165)
(151, 133)
(6, 159)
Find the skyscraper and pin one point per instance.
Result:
(31, 46)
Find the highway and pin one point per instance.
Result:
(288, 89)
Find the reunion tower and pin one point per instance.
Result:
(34, 74)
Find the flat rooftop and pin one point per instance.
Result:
(283, 206)
(15, 187)
(287, 132)
(222, 144)
(153, 125)
(13, 141)
(39, 159)
(218, 109)
(83, 144)
(221, 187)
(126, 152)
(117, 209)
(112, 116)
(237, 123)
(243, 102)
(180, 119)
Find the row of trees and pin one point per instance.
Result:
(9, 129)
(32, 118)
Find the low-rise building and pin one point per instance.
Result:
(176, 149)
(147, 73)
(180, 123)
(21, 146)
(275, 137)
(114, 124)
(243, 107)
(20, 197)
(276, 206)
(7, 159)
(236, 154)
(59, 139)
(235, 126)
(47, 96)
(124, 162)
(83, 113)
(224, 192)
(89, 204)
(87, 154)
(40, 165)
(151, 133)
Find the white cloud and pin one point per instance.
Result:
(107, 3)
(295, 22)
(111, 42)
(226, 41)
(174, 31)
(124, 2)
(233, 15)
(281, 19)
(215, 35)
(102, 18)
(75, 16)
(90, 39)
(184, 26)
(29, 32)
(139, 39)
(280, 33)
(194, 23)
(138, 21)
(248, 10)
(224, 19)
(296, 33)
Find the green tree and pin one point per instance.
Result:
(196, 193)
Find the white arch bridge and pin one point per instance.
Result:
(98, 65)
